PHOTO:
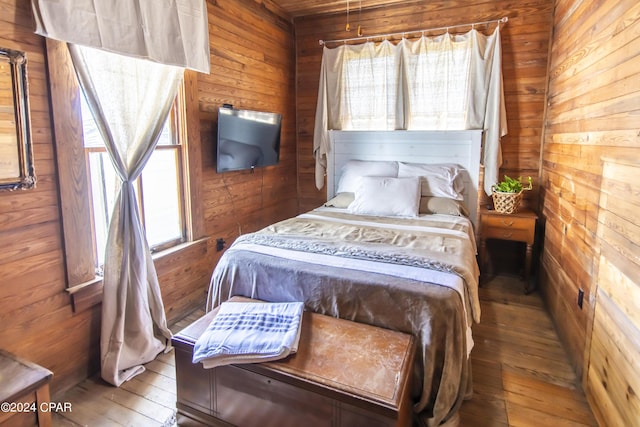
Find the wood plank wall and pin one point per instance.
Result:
(525, 40)
(593, 109)
(252, 66)
(35, 312)
(612, 378)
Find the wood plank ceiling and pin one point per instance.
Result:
(296, 8)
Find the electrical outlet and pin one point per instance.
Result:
(580, 298)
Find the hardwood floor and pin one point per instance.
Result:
(521, 375)
(147, 400)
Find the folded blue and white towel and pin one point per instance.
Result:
(250, 332)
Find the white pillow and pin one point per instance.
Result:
(442, 205)
(385, 196)
(436, 180)
(354, 169)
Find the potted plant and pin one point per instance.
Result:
(507, 194)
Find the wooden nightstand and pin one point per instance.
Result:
(518, 227)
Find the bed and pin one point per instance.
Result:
(394, 246)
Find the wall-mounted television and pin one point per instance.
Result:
(247, 139)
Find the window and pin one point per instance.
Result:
(433, 79)
(370, 81)
(438, 81)
(83, 285)
(159, 188)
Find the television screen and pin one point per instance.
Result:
(247, 139)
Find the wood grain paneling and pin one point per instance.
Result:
(592, 110)
(525, 40)
(253, 67)
(193, 175)
(36, 316)
(74, 203)
(612, 377)
(312, 7)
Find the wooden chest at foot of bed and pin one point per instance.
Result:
(344, 374)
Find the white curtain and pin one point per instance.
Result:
(436, 75)
(448, 82)
(130, 99)
(172, 32)
(368, 67)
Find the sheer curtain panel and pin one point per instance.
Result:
(174, 32)
(447, 82)
(436, 74)
(370, 68)
(129, 99)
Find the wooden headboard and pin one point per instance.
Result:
(461, 147)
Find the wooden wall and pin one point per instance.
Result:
(252, 67)
(35, 312)
(593, 110)
(525, 40)
(612, 378)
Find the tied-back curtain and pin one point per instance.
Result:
(172, 32)
(130, 100)
(448, 82)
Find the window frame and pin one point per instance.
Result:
(178, 146)
(181, 199)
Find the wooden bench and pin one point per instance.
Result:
(24, 392)
(344, 374)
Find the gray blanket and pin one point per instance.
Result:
(269, 265)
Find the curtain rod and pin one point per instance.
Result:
(385, 36)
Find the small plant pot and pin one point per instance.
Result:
(506, 203)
